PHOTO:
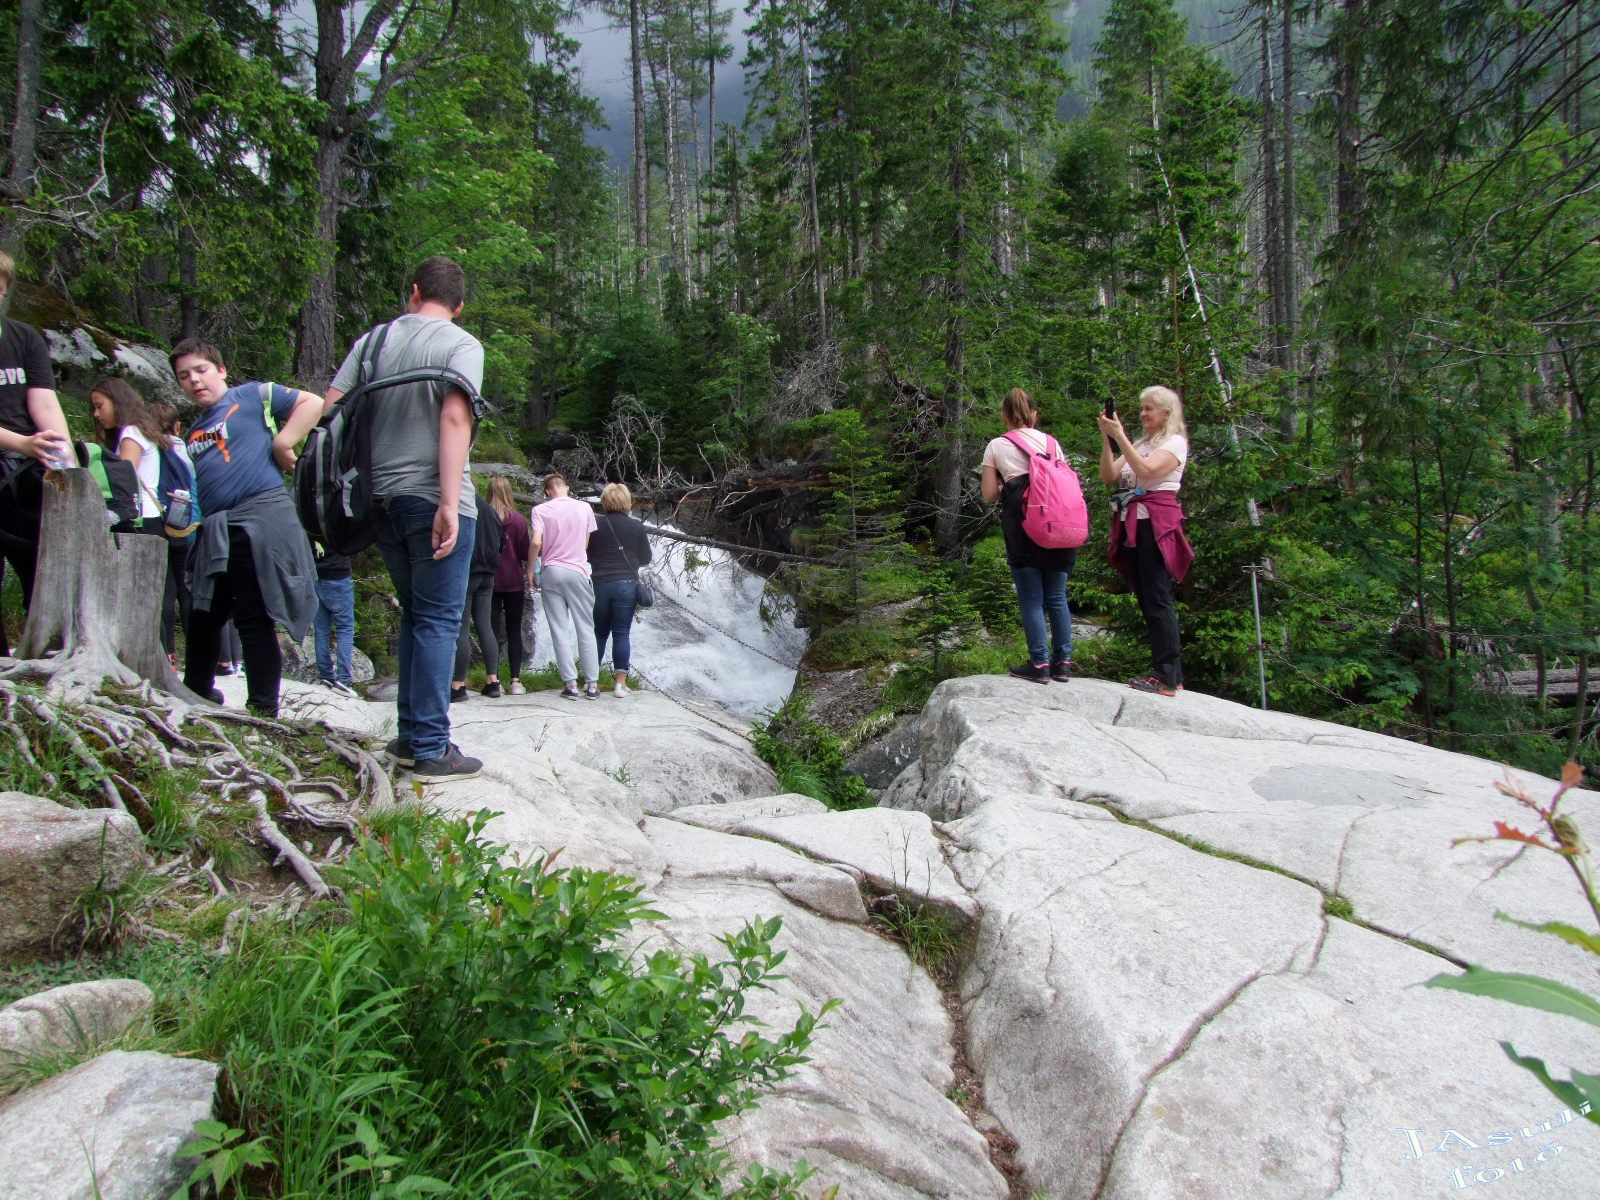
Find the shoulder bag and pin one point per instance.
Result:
(646, 597)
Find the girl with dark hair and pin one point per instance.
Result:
(1039, 574)
(136, 432)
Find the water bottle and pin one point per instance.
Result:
(62, 459)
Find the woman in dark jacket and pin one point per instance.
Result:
(509, 597)
(1038, 574)
(617, 549)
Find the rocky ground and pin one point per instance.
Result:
(1176, 943)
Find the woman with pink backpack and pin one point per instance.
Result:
(1044, 520)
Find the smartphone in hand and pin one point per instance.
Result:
(1111, 411)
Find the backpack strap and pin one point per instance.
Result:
(371, 351)
(265, 391)
(1052, 448)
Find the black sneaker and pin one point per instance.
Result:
(1155, 685)
(216, 697)
(1061, 670)
(400, 750)
(592, 692)
(453, 765)
(458, 694)
(1032, 673)
(570, 692)
(492, 689)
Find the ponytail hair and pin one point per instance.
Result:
(1017, 410)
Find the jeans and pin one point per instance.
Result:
(336, 616)
(1152, 583)
(614, 604)
(1041, 594)
(431, 594)
(569, 611)
(507, 621)
(480, 593)
(236, 596)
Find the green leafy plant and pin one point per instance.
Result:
(807, 758)
(223, 1159)
(481, 1028)
(1560, 836)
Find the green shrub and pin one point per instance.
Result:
(479, 1029)
(807, 758)
(855, 644)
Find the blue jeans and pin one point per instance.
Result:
(431, 595)
(614, 604)
(1041, 594)
(336, 616)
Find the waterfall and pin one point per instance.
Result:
(714, 633)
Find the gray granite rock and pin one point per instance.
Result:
(49, 856)
(68, 1019)
(110, 1129)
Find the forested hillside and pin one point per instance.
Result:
(1362, 246)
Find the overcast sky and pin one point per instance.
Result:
(603, 63)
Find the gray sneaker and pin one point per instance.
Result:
(399, 749)
(342, 689)
(453, 765)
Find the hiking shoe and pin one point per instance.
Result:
(1154, 684)
(570, 692)
(492, 689)
(1034, 673)
(592, 691)
(399, 749)
(458, 694)
(516, 688)
(452, 765)
(1061, 671)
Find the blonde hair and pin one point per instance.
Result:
(500, 496)
(616, 498)
(1168, 402)
(1017, 410)
(8, 270)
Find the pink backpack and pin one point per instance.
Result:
(1054, 514)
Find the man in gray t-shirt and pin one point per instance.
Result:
(420, 437)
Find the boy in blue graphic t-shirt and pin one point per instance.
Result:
(251, 562)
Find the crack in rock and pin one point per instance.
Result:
(1172, 1058)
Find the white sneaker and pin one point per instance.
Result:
(620, 690)
(516, 688)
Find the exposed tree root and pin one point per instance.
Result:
(120, 747)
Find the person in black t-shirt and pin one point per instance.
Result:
(33, 436)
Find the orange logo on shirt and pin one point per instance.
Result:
(217, 436)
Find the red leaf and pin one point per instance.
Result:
(1571, 776)
(1510, 833)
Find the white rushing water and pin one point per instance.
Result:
(707, 636)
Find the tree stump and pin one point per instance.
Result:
(96, 597)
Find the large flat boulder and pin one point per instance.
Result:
(109, 1129)
(1367, 817)
(49, 856)
(1157, 1003)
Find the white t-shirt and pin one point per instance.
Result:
(1176, 446)
(1002, 453)
(150, 503)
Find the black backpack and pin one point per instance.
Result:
(333, 477)
(489, 542)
